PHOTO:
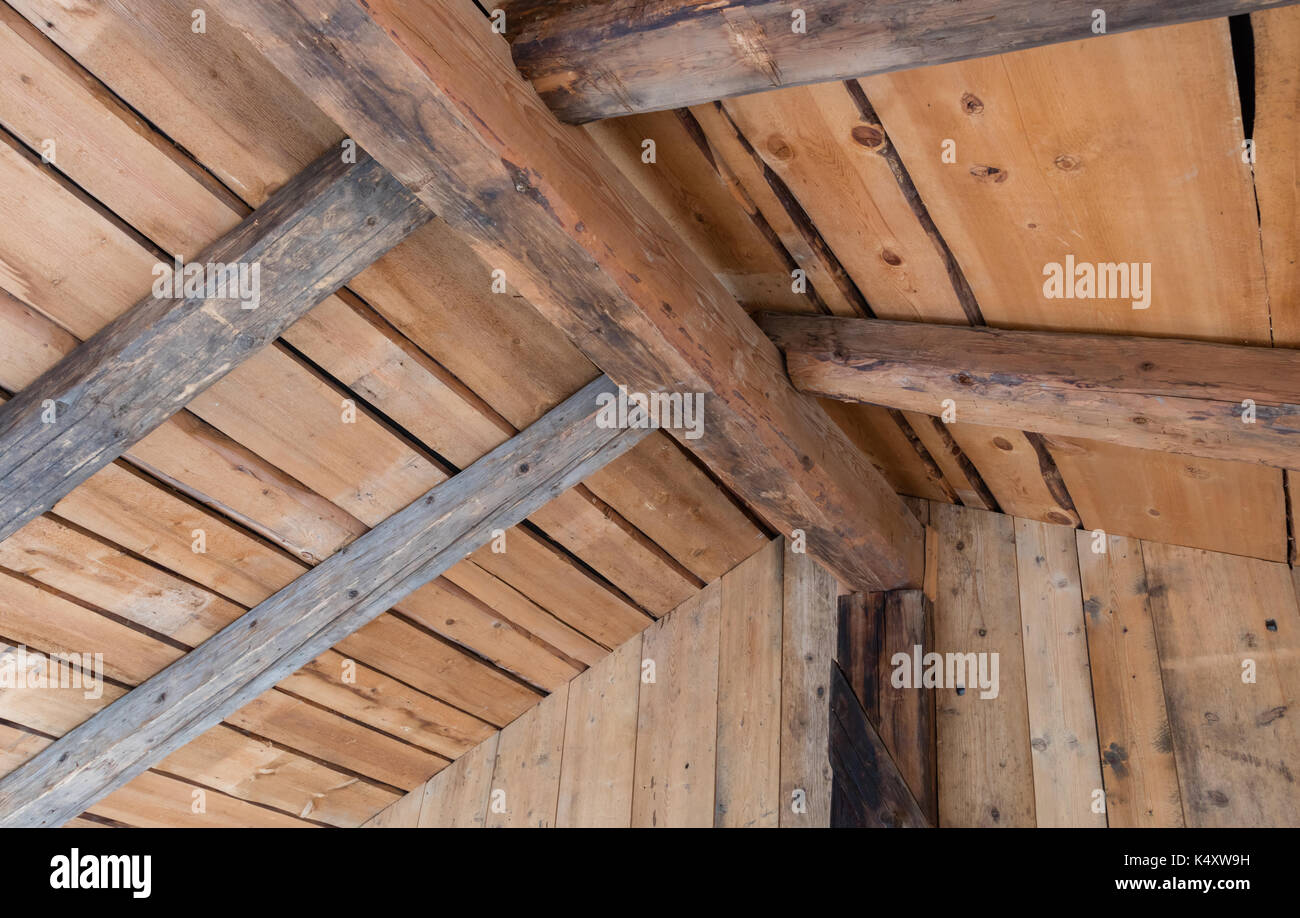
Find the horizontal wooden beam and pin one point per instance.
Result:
(1221, 401)
(617, 57)
(316, 611)
(306, 241)
(429, 89)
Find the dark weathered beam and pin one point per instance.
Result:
(431, 92)
(315, 612)
(1221, 401)
(867, 790)
(592, 60)
(310, 238)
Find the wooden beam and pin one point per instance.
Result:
(868, 791)
(314, 612)
(617, 57)
(306, 241)
(1189, 397)
(431, 92)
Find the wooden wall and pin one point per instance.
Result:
(716, 715)
(1157, 673)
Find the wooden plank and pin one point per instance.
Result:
(599, 760)
(1203, 503)
(353, 587)
(146, 364)
(1133, 737)
(530, 172)
(591, 61)
(748, 786)
(907, 715)
(677, 717)
(807, 655)
(527, 770)
(432, 286)
(984, 755)
(859, 651)
(346, 339)
(1162, 111)
(1277, 135)
(457, 797)
(1172, 396)
(817, 141)
(404, 814)
(1234, 745)
(1062, 723)
(863, 768)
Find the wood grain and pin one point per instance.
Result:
(532, 197)
(807, 656)
(748, 786)
(1062, 723)
(1133, 735)
(146, 364)
(677, 719)
(985, 766)
(1173, 396)
(234, 666)
(603, 60)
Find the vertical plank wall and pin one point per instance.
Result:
(717, 715)
(1139, 684)
(1153, 677)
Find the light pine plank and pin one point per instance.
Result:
(457, 797)
(984, 760)
(600, 736)
(1235, 745)
(677, 719)
(1277, 136)
(1062, 724)
(807, 654)
(1233, 507)
(526, 777)
(1137, 753)
(748, 786)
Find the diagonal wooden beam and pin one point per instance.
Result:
(618, 57)
(431, 92)
(306, 241)
(316, 611)
(1221, 401)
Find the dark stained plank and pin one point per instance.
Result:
(868, 791)
(600, 60)
(1185, 397)
(436, 99)
(314, 612)
(859, 645)
(907, 715)
(320, 229)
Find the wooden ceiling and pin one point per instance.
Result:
(1124, 147)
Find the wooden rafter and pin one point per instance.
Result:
(618, 57)
(314, 612)
(431, 92)
(1201, 399)
(313, 235)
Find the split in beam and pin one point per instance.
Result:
(430, 91)
(309, 239)
(1220, 401)
(618, 57)
(315, 612)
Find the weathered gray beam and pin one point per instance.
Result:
(305, 242)
(591, 60)
(315, 612)
(1198, 398)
